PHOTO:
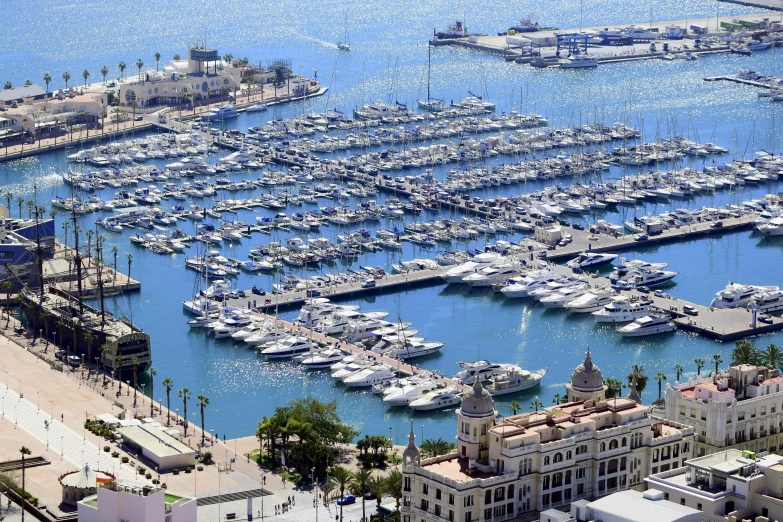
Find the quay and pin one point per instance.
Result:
(737, 80)
(60, 273)
(497, 45)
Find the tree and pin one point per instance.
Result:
(202, 401)
(24, 451)
(20, 202)
(67, 78)
(28, 82)
(168, 384)
(8, 197)
(104, 72)
(744, 353)
(122, 67)
(641, 378)
(184, 394)
(89, 337)
(515, 406)
(7, 86)
(139, 65)
(153, 373)
(85, 74)
(435, 447)
(394, 487)
(157, 61)
(378, 487)
(557, 399)
(47, 80)
(119, 359)
(360, 484)
(772, 356)
(114, 252)
(135, 363)
(679, 369)
(660, 377)
(614, 387)
(177, 57)
(699, 364)
(340, 479)
(717, 359)
(130, 259)
(45, 316)
(536, 404)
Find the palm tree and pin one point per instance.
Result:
(89, 337)
(679, 369)
(202, 401)
(435, 447)
(157, 61)
(641, 378)
(103, 349)
(177, 57)
(67, 78)
(139, 65)
(104, 72)
(184, 394)
(744, 353)
(378, 487)
(114, 252)
(536, 404)
(660, 377)
(394, 487)
(45, 316)
(360, 484)
(118, 362)
(614, 387)
(7, 86)
(717, 359)
(135, 363)
(24, 451)
(339, 480)
(47, 80)
(122, 67)
(20, 202)
(772, 356)
(168, 384)
(153, 373)
(557, 399)
(8, 197)
(699, 362)
(85, 74)
(130, 259)
(515, 406)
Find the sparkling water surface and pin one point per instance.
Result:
(388, 62)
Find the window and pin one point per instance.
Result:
(406, 484)
(601, 485)
(624, 442)
(425, 489)
(469, 516)
(487, 513)
(682, 411)
(483, 429)
(666, 496)
(467, 501)
(704, 415)
(425, 505)
(568, 477)
(612, 444)
(510, 493)
(580, 489)
(558, 457)
(764, 511)
(682, 501)
(437, 494)
(568, 455)
(488, 496)
(437, 510)
(499, 511)
(698, 506)
(546, 483)
(602, 447)
(500, 494)
(475, 431)
(545, 499)
(451, 498)
(546, 460)
(451, 515)
(763, 410)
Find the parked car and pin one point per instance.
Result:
(257, 290)
(690, 310)
(370, 283)
(717, 224)
(659, 293)
(313, 293)
(369, 496)
(346, 499)
(643, 237)
(577, 226)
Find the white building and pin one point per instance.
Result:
(161, 449)
(739, 409)
(536, 461)
(626, 506)
(729, 485)
(117, 502)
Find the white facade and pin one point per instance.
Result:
(739, 409)
(536, 461)
(132, 504)
(626, 506)
(163, 450)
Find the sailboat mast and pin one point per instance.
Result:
(429, 68)
(77, 257)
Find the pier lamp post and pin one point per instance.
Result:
(176, 415)
(127, 387)
(142, 393)
(212, 433)
(160, 406)
(38, 393)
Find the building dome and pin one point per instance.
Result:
(477, 402)
(587, 377)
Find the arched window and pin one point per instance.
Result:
(546, 460)
(568, 454)
(546, 483)
(613, 444)
(602, 447)
(558, 457)
(557, 480)
(624, 442)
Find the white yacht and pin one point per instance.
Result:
(554, 286)
(409, 392)
(623, 310)
(578, 61)
(514, 381)
(350, 368)
(458, 273)
(437, 399)
(368, 376)
(248, 331)
(490, 275)
(562, 297)
(767, 301)
(286, 348)
(223, 113)
(324, 359)
(411, 349)
(336, 323)
(736, 295)
(590, 260)
(591, 301)
(773, 227)
(201, 306)
(625, 267)
(266, 335)
(363, 329)
(483, 369)
(230, 325)
(526, 284)
(648, 325)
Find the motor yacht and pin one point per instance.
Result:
(405, 394)
(648, 325)
(514, 381)
(411, 349)
(767, 301)
(623, 309)
(648, 278)
(230, 325)
(458, 273)
(526, 284)
(578, 61)
(773, 227)
(437, 399)
(626, 267)
(562, 297)
(368, 376)
(266, 335)
(737, 295)
(363, 329)
(248, 331)
(491, 274)
(590, 260)
(221, 113)
(286, 348)
(350, 368)
(201, 306)
(554, 286)
(324, 359)
(483, 369)
(591, 301)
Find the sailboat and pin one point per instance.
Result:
(345, 45)
(430, 104)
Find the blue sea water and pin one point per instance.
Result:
(388, 61)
